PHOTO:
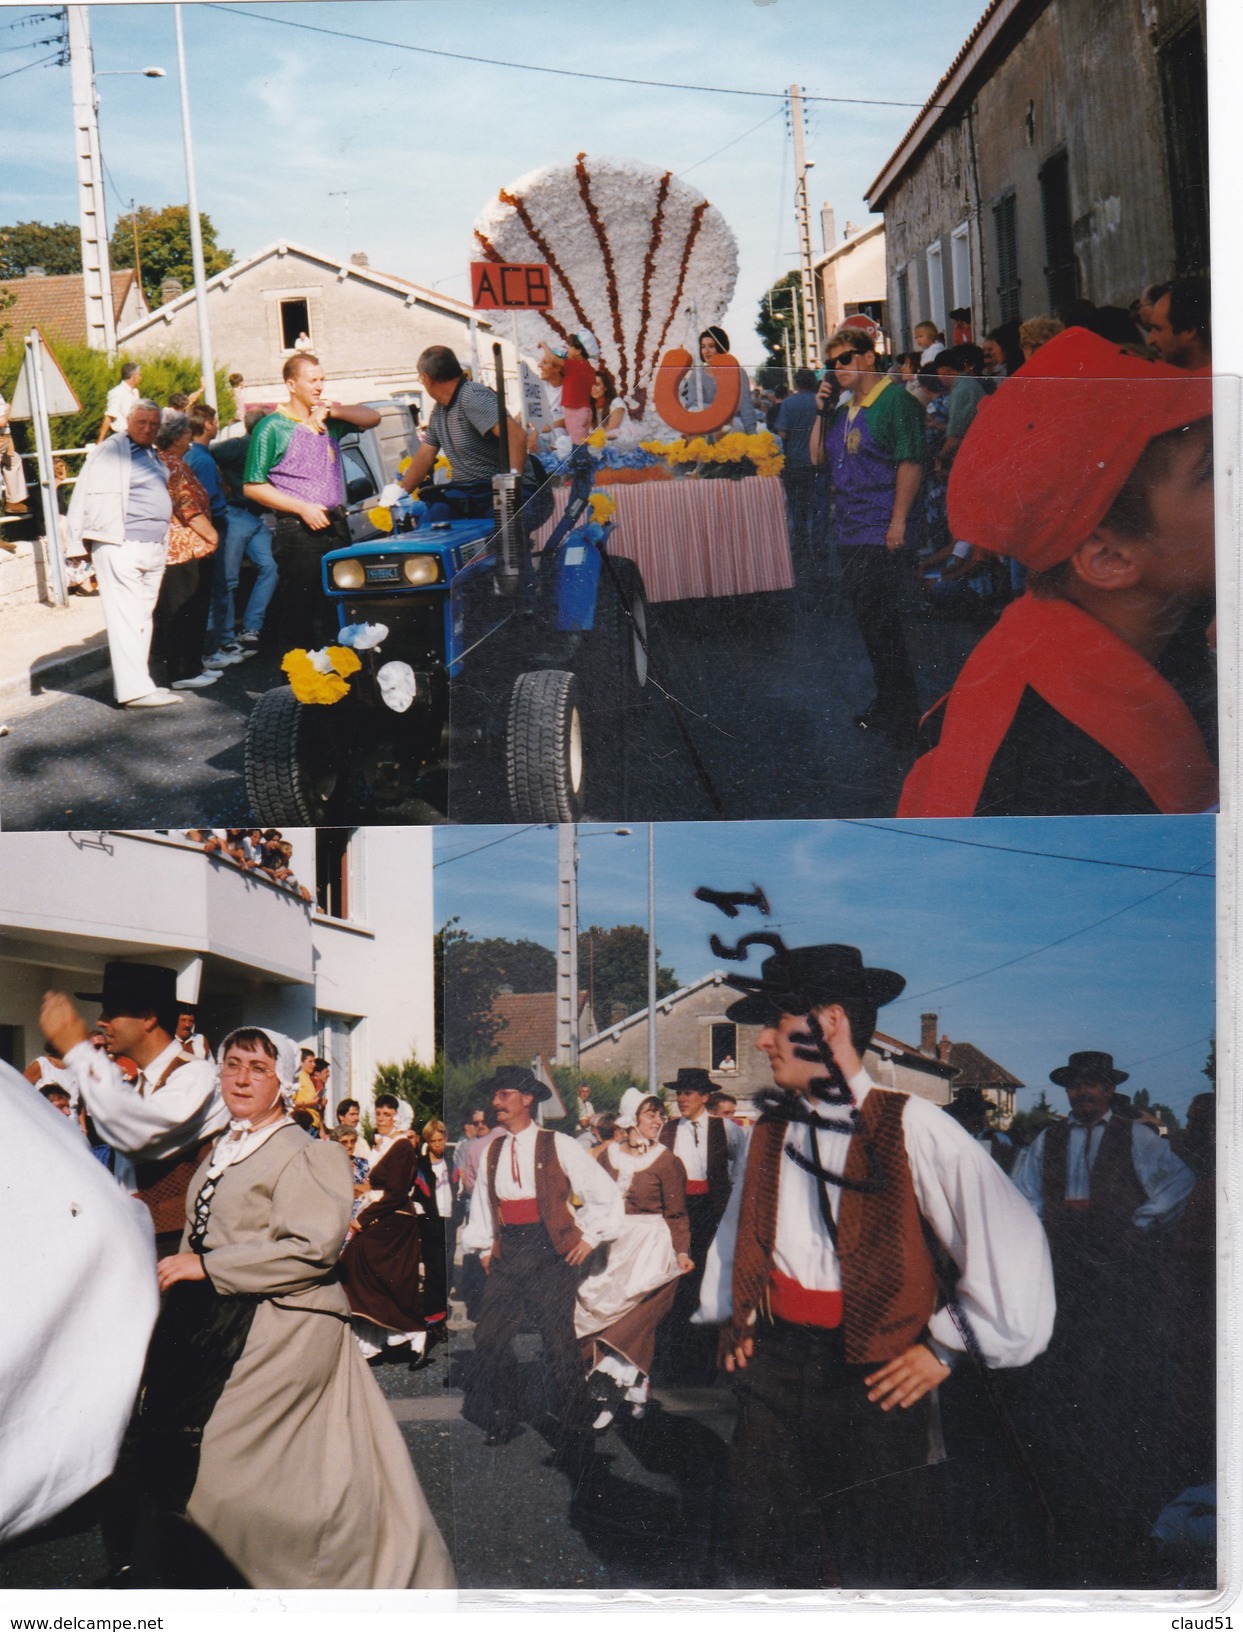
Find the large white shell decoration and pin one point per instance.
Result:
(633, 251)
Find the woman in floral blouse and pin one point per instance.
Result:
(185, 591)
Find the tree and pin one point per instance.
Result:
(1025, 1125)
(466, 983)
(164, 249)
(1142, 1100)
(56, 248)
(612, 965)
(1209, 1069)
(523, 966)
(777, 319)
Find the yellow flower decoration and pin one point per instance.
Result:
(404, 464)
(597, 438)
(442, 464)
(308, 680)
(381, 519)
(762, 449)
(602, 506)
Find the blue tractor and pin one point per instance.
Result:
(496, 654)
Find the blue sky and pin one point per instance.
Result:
(285, 120)
(944, 914)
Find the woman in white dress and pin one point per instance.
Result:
(622, 1303)
(261, 1427)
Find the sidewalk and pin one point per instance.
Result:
(47, 649)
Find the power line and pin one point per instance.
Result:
(1035, 952)
(1048, 855)
(539, 68)
(504, 839)
(1166, 1052)
(56, 57)
(766, 120)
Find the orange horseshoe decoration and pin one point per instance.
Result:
(673, 369)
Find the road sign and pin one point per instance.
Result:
(552, 1109)
(510, 286)
(59, 396)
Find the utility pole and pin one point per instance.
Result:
(810, 347)
(567, 944)
(101, 328)
(206, 359)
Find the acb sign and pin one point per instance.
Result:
(510, 286)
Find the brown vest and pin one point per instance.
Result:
(162, 1185)
(552, 1195)
(1114, 1191)
(889, 1287)
(719, 1186)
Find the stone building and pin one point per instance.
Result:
(1063, 154)
(366, 327)
(692, 1029)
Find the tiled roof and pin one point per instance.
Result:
(57, 305)
(531, 1025)
(976, 1070)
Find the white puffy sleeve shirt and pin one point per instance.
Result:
(1005, 1286)
(148, 1125)
(600, 1210)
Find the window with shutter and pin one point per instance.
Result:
(1184, 86)
(1005, 229)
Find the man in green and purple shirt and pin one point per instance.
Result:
(293, 467)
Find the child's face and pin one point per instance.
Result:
(1178, 554)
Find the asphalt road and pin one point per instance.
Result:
(511, 1521)
(766, 688)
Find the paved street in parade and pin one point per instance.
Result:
(768, 684)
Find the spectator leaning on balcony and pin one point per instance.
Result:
(120, 512)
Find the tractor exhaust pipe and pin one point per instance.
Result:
(506, 494)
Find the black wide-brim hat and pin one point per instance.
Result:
(693, 1078)
(513, 1076)
(1090, 1065)
(810, 977)
(135, 988)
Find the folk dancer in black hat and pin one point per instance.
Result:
(163, 1123)
(541, 1207)
(1107, 1188)
(708, 1148)
(833, 1315)
(973, 1111)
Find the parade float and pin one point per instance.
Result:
(645, 263)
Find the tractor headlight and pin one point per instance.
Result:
(348, 574)
(421, 569)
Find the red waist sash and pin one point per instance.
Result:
(520, 1212)
(800, 1305)
(697, 1187)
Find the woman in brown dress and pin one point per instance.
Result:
(380, 1264)
(621, 1304)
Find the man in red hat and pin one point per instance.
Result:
(1095, 692)
(836, 1318)
(165, 1121)
(1107, 1188)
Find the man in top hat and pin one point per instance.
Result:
(833, 1302)
(708, 1149)
(1107, 1188)
(1095, 693)
(541, 1207)
(165, 1121)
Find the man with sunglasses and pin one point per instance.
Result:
(873, 446)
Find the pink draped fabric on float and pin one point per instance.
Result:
(696, 538)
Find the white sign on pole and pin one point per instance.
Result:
(536, 410)
(58, 395)
(552, 1109)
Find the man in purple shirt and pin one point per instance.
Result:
(293, 467)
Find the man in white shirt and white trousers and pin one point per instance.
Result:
(541, 1207)
(838, 1320)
